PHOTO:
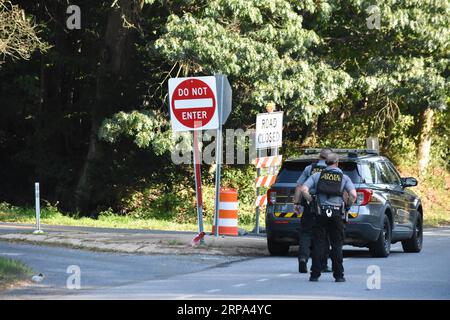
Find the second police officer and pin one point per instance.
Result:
(308, 218)
(329, 187)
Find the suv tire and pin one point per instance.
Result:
(382, 247)
(414, 244)
(276, 248)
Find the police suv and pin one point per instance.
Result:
(385, 212)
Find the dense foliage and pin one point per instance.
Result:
(88, 118)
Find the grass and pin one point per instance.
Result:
(12, 271)
(9, 213)
(433, 189)
(437, 218)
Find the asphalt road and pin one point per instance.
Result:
(6, 227)
(424, 275)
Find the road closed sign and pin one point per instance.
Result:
(269, 129)
(193, 103)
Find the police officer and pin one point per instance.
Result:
(307, 220)
(329, 186)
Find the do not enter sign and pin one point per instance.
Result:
(193, 103)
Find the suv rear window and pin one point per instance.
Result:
(291, 171)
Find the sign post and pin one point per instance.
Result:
(38, 209)
(258, 190)
(372, 143)
(198, 183)
(224, 95)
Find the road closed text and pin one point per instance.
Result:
(269, 138)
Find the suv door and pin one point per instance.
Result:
(395, 195)
(408, 201)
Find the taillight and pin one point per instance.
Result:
(271, 196)
(363, 196)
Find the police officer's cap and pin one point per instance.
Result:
(332, 158)
(324, 153)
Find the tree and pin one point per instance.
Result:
(18, 35)
(263, 48)
(403, 64)
(115, 61)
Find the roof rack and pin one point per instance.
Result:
(354, 151)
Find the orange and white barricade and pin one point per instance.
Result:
(267, 162)
(270, 163)
(228, 212)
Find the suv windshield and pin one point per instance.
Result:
(291, 171)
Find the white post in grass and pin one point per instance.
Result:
(38, 209)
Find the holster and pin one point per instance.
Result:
(314, 205)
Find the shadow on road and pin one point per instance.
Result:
(348, 253)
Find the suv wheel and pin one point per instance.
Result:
(382, 247)
(415, 243)
(276, 248)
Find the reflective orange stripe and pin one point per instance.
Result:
(228, 197)
(228, 214)
(265, 181)
(230, 231)
(266, 162)
(261, 201)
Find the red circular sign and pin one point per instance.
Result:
(193, 103)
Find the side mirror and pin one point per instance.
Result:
(409, 182)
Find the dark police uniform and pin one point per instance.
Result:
(329, 186)
(307, 220)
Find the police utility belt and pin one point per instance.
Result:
(330, 211)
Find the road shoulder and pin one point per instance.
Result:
(136, 242)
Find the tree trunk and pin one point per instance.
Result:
(425, 127)
(310, 137)
(389, 126)
(113, 67)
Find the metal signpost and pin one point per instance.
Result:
(225, 97)
(38, 209)
(198, 182)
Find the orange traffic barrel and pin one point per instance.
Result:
(228, 212)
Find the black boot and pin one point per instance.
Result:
(302, 268)
(313, 278)
(326, 270)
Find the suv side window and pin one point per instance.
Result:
(394, 172)
(368, 172)
(387, 176)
